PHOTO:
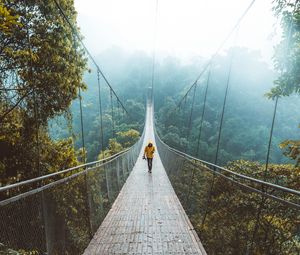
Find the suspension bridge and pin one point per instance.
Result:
(114, 206)
(147, 217)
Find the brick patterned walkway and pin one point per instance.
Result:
(147, 217)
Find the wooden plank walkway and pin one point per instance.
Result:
(147, 217)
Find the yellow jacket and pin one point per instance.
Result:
(149, 151)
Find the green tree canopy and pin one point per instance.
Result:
(40, 74)
(287, 55)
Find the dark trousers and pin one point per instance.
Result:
(149, 160)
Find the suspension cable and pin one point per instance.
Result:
(235, 27)
(75, 32)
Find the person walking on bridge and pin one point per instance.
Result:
(149, 154)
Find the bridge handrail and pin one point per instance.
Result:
(67, 178)
(268, 184)
(96, 163)
(40, 178)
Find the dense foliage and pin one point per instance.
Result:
(287, 59)
(234, 220)
(42, 69)
(229, 218)
(247, 117)
(287, 56)
(41, 72)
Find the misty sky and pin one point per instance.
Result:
(186, 28)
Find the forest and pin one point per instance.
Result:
(247, 118)
(248, 115)
(57, 113)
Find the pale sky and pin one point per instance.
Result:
(185, 28)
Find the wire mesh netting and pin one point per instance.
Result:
(61, 217)
(232, 214)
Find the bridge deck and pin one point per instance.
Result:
(147, 217)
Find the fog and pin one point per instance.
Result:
(184, 28)
(120, 35)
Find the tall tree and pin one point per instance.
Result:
(40, 74)
(287, 62)
(287, 55)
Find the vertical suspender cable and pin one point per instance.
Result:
(100, 111)
(224, 106)
(81, 125)
(203, 112)
(118, 113)
(80, 108)
(190, 119)
(290, 28)
(84, 161)
(38, 154)
(250, 245)
(182, 107)
(263, 199)
(188, 135)
(112, 114)
(200, 131)
(270, 138)
(37, 135)
(35, 107)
